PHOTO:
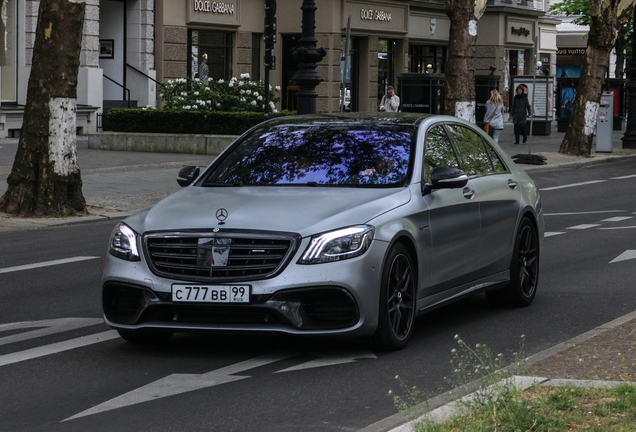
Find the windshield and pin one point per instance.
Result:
(333, 155)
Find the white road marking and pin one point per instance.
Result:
(627, 255)
(623, 177)
(583, 226)
(584, 213)
(330, 359)
(47, 263)
(182, 383)
(57, 347)
(618, 219)
(617, 228)
(572, 185)
(552, 234)
(44, 328)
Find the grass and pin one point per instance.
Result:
(498, 406)
(547, 408)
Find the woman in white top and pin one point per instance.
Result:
(494, 114)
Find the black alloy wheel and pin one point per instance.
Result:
(524, 270)
(397, 301)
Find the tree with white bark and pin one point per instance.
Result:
(45, 179)
(606, 16)
(459, 97)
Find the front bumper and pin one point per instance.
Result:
(332, 298)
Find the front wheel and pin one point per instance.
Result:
(397, 301)
(524, 270)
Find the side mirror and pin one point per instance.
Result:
(187, 175)
(445, 178)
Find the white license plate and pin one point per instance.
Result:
(211, 293)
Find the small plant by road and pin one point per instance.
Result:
(498, 406)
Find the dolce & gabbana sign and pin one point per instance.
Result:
(214, 12)
(375, 15)
(213, 7)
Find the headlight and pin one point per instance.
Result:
(338, 245)
(123, 243)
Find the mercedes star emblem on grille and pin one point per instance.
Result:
(221, 215)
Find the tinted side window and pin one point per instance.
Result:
(494, 157)
(472, 154)
(439, 152)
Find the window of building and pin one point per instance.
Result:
(386, 66)
(256, 56)
(218, 47)
(8, 51)
(427, 58)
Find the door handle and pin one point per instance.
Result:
(469, 193)
(512, 184)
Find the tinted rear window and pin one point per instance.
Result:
(318, 155)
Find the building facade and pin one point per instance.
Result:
(116, 60)
(129, 46)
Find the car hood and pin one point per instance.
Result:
(303, 210)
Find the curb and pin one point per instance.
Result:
(591, 161)
(21, 225)
(447, 401)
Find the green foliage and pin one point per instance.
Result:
(235, 95)
(185, 122)
(573, 8)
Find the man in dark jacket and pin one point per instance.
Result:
(520, 107)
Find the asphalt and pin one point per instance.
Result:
(118, 183)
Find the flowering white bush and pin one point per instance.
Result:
(237, 94)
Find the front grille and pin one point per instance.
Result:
(227, 255)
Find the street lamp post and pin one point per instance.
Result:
(307, 55)
(629, 139)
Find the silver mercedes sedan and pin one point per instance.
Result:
(330, 224)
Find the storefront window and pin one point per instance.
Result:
(386, 76)
(427, 58)
(256, 56)
(218, 48)
(8, 57)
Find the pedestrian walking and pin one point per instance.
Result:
(520, 107)
(494, 115)
(390, 101)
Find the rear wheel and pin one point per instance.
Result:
(147, 337)
(524, 270)
(397, 301)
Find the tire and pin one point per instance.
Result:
(397, 301)
(524, 270)
(145, 337)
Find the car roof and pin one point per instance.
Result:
(377, 119)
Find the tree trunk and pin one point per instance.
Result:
(459, 97)
(580, 132)
(45, 179)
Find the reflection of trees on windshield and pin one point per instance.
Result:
(327, 155)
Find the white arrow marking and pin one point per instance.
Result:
(572, 185)
(331, 359)
(627, 255)
(57, 347)
(44, 328)
(550, 234)
(47, 264)
(182, 383)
